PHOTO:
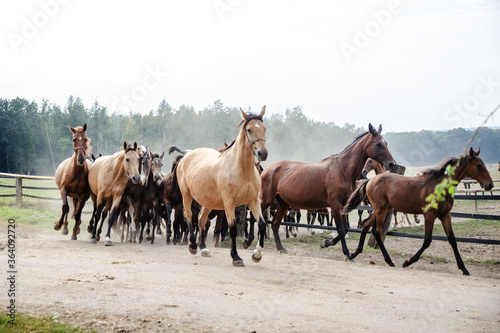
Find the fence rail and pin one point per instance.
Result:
(19, 195)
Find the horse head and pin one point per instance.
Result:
(80, 143)
(255, 133)
(155, 165)
(475, 168)
(376, 148)
(131, 162)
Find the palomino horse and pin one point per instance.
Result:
(72, 180)
(225, 180)
(327, 183)
(408, 194)
(108, 179)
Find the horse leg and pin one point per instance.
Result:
(93, 238)
(111, 220)
(250, 234)
(230, 215)
(341, 223)
(417, 220)
(202, 221)
(281, 210)
(90, 227)
(407, 219)
(377, 232)
(395, 212)
(168, 212)
(255, 209)
(78, 215)
(65, 210)
(446, 222)
(187, 200)
(365, 226)
(429, 225)
(99, 230)
(157, 218)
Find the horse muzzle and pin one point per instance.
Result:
(488, 187)
(261, 154)
(135, 179)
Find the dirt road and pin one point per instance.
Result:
(163, 288)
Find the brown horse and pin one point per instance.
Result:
(108, 179)
(225, 180)
(408, 194)
(72, 180)
(327, 183)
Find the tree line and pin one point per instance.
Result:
(35, 138)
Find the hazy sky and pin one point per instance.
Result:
(409, 65)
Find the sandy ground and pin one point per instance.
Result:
(163, 288)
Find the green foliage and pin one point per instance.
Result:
(448, 186)
(25, 323)
(35, 138)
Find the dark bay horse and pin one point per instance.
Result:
(327, 183)
(72, 180)
(108, 179)
(223, 181)
(408, 194)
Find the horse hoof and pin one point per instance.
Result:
(313, 232)
(158, 231)
(64, 232)
(205, 253)
(168, 240)
(284, 251)
(108, 243)
(323, 244)
(90, 229)
(191, 250)
(245, 244)
(349, 259)
(93, 240)
(98, 238)
(57, 227)
(255, 259)
(73, 238)
(238, 263)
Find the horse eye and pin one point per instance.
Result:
(379, 144)
(127, 159)
(249, 130)
(479, 166)
(74, 140)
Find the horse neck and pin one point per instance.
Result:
(353, 159)
(460, 170)
(242, 153)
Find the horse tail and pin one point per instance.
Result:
(175, 148)
(356, 197)
(175, 163)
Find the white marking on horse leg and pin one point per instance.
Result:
(108, 241)
(257, 253)
(205, 253)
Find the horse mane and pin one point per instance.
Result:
(222, 150)
(440, 170)
(359, 137)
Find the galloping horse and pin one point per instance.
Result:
(327, 183)
(408, 194)
(108, 179)
(225, 180)
(72, 180)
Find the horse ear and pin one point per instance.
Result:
(125, 145)
(380, 129)
(262, 111)
(372, 130)
(72, 129)
(162, 154)
(243, 114)
(135, 145)
(478, 151)
(85, 127)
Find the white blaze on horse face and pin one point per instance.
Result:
(257, 125)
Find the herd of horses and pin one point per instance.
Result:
(205, 183)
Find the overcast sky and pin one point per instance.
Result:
(410, 65)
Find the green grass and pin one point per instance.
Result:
(38, 214)
(468, 228)
(25, 323)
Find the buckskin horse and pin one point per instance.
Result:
(72, 180)
(108, 179)
(327, 183)
(408, 194)
(223, 181)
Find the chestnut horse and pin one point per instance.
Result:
(72, 180)
(223, 181)
(327, 183)
(108, 179)
(408, 194)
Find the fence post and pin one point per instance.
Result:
(388, 217)
(19, 191)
